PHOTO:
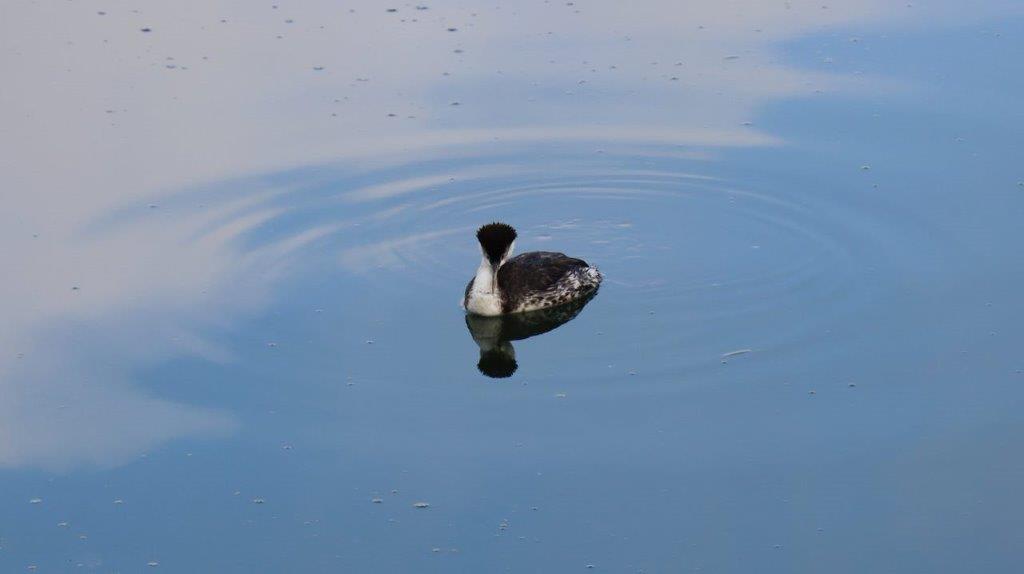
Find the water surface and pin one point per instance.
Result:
(236, 243)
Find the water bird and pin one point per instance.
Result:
(536, 280)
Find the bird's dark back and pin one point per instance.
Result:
(536, 271)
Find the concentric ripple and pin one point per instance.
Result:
(684, 250)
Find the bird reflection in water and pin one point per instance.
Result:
(494, 335)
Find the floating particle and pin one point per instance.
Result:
(258, 501)
(63, 524)
(421, 505)
(731, 58)
(736, 353)
(392, 10)
(560, 395)
(318, 68)
(152, 563)
(377, 500)
(421, 7)
(435, 550)
(453, 29)
(35, 500)
(118, 501)
(865, 168)
(146, 29)
(455, 104)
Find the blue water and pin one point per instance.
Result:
(805, 357)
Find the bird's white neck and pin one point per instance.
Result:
(484, 298)
(486, 277)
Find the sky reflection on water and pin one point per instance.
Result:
(236, 245)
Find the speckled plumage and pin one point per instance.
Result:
(541, 279)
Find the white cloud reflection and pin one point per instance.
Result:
(98, 115)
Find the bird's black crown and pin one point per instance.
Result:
(495, 239)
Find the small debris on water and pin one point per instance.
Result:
(421, 505)
(152, 563)
(736, 353)
(377, 500)
(560, 395)
(258, 501)
(35, 500)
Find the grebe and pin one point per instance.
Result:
(536, 280)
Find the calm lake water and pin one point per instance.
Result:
(235, 237)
